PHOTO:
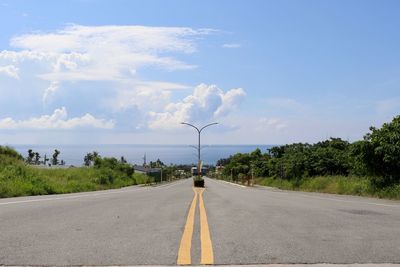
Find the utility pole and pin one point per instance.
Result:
(199, 143)
(252, 175)
(144, 160)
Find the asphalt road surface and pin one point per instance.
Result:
(176, 224)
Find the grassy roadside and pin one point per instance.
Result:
(19, 179)
(27, 181)
(351, 185)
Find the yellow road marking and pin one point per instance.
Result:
(207, 255)
(184, 253)
(184, 257)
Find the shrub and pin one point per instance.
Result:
(10, 152)
(142, 178)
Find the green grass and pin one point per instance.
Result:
(345, 185)
(18, 179)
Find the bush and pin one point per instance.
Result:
(106, 177)
(142, 178)
(10, 152)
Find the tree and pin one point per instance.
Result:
(329, 157)
(95, 155)
(45, 159)
(88, 159)
(223, 162)
(54, 160)
(37, 158)
(276, 151)
(157, 164)
(30, 157)
(377, 156)
(379, 153)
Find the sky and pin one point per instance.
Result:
(129, 72)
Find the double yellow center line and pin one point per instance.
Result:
(184, 253)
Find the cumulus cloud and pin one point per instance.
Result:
(206, 102)
(98, 53)
(231, 100)
(150, 95)
(107, 62)
(58, 121)
(10, 70)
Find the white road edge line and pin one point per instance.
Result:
(67, 197)
(242, 186)
(82, 195)
(350, 201)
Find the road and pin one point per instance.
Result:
(175, 224)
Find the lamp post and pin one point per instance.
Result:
(199, 130)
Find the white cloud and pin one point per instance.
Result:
(53, 87)
(207, 102)
(107, 62)
(232, 45)
(230, 101)
(99, 53)
(135, 38)
(10, 70)
(18, 57)
(145, 96)
(105, 52)
(58, 120)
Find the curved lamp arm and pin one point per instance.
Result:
(191, 125)
(202, 128)
(208, 125)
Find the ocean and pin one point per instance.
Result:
(169, 154)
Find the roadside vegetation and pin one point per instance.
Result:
(18, 178)
(369, 167)
(42, 175)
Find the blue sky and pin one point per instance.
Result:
(270, 72)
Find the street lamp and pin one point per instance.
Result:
(199, 130)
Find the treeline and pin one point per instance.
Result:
(377, 157)
(34, 158)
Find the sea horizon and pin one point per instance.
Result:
(73, 154)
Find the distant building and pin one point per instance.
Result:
(146, 170)
(152, 172)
